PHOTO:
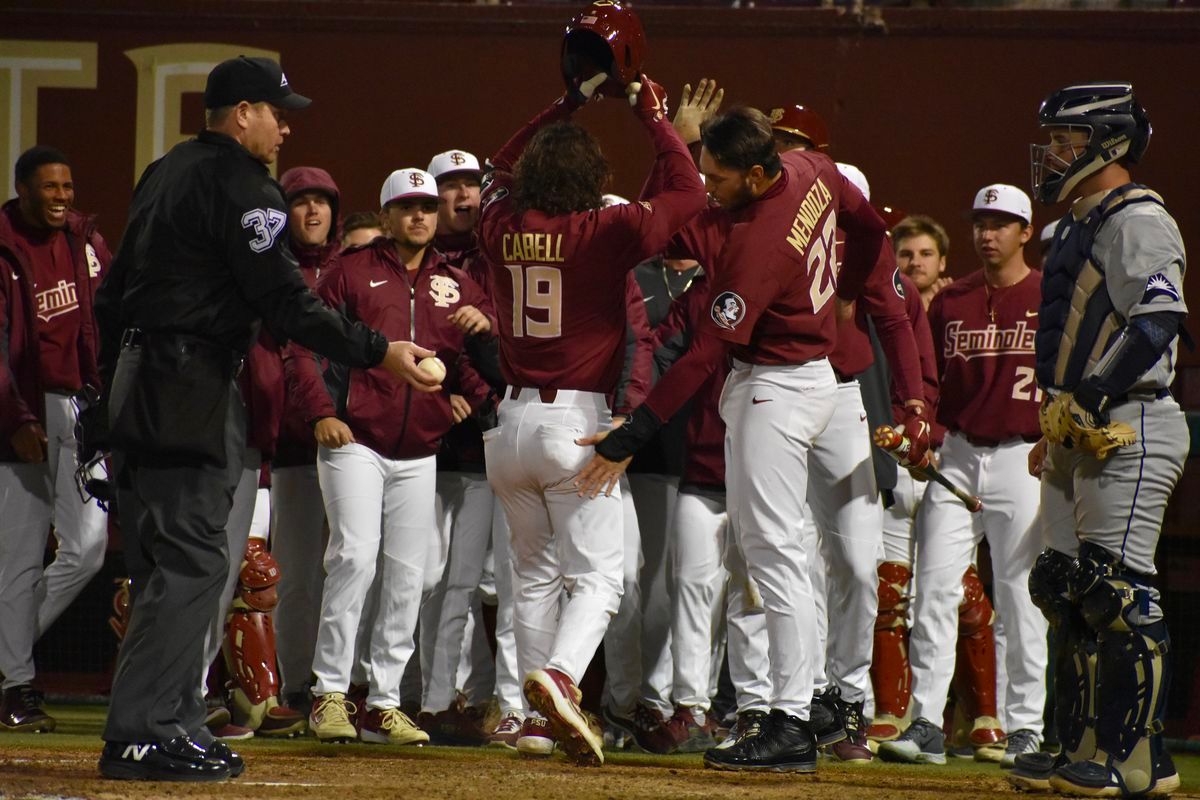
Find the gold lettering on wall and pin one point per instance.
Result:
(164, 74)
(25, 67)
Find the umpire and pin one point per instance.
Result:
(203, 260)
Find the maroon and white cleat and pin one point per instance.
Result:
(556, 697)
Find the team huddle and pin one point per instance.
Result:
(510, 418)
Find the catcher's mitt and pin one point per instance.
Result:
(1065, 422)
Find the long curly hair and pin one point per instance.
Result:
(561, 171)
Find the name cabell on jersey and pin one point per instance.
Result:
(965, 342)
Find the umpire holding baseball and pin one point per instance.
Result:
(203, 263)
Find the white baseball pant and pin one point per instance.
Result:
(947, 535)
(470, 536)
(773, 416)
(654, 498)
(380, 510)
(298, 538)
(560, 541)
(848, 518)
(698, 532)
(623, 639)
(32, 497)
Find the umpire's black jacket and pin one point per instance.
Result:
(204, 257)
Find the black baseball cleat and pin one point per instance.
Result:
(786, 744)
(1032, 771)
(179, 759)
(825, 717)
(220, 751)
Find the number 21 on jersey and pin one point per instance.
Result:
(537, 301)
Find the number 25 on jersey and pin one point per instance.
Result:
(537, 301)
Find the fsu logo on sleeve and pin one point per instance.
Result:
(728, 310)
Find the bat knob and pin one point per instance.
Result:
(975, 506)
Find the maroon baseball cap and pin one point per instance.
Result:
(255, 80)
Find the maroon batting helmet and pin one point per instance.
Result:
(802, 122)
(604, 37)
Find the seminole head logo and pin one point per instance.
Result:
(990, 196)
(415, 180)
(728, 310)
(458, 159)
(775, 115)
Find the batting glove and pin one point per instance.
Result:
(648, 99)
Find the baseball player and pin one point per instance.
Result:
(558, 274)
(847, 512)
(983, 328)
(921, 254)
(444, 615)
(975, 666)
(298, 531)
(376, 456)
(698, 538)
(51, 261)
(1111, 317)
(771, 306)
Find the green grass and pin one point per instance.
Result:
(79, 728)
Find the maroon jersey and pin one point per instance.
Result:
(774, 265)
(983, 339)
(774, 271)
(558, 282)
(54, 293)
(370, 284)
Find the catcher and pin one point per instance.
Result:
(1115, 442)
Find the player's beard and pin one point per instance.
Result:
(740, 200)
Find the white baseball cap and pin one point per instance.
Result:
(452, 162)
(1005, 199)
(408, 184)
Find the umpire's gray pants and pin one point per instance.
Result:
(173, 517)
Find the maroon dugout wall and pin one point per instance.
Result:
(932, 104)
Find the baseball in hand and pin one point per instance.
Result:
(434, 366)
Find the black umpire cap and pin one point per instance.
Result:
(254, 80)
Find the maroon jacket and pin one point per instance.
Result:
(929, 365)
(637, 375)
(383, 412)
(705, 465)
(22, 398)
(276, 425)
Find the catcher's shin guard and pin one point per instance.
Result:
(1132, 673)
(1075, 687)
(975, 666)
(891, 675)
(250, 649)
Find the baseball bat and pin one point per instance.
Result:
(896, 445)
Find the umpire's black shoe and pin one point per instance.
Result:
(179, 759)
(825, 717)
(221, 751)
(786, 744)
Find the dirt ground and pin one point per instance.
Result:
(362, 773)
(63, 765)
